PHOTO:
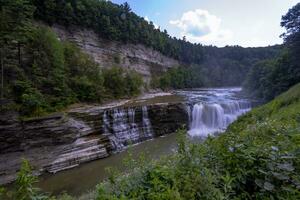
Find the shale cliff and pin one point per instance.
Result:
(106, 53)
(65, 140)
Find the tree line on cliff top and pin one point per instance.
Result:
(43, 74)
(223, 66)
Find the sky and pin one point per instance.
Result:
(248, 23)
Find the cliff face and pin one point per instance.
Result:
(107, 53)
(64, 141)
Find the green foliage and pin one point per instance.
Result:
(31, 100)
(84, 76)
(119, 23)
(43, 74)
(24, 185)
(2, 192)
(114, 81)
(229, 65)
(120, 83)
(133, 82)
(49, 69)
(57, 74)
(292, 36)
(257, 158)
(42, 86)
(15, 20)
(179, 78)
(267, 79)
(116, 22)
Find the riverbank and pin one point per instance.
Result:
(84, 133)
(144, 121)
(90, 174)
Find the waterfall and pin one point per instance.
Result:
(189, 112)
(212, 118)
(147, 128)
(127, 126)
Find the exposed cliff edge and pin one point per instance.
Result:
(63, 141)
(106, 53)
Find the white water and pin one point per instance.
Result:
(213, 118)
(213, 110)
(123, 126)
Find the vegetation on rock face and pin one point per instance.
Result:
(269, 78)
(121, 83)
(115, 22)
(43, 74)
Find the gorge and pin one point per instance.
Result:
(98, 132)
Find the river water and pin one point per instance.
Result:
(210, 112)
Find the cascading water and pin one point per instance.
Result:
(213, 118)
(147, 128)
(124, 127)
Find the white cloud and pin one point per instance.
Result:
(202, 27)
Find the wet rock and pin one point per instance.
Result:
(167, 118)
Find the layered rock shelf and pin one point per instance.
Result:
(144, 60)
(66, 140)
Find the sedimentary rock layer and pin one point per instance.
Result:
(66, 140)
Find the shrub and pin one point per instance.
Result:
(119, 83)
(24, 184)
(133, 83)
(85, 78)
(31, 100)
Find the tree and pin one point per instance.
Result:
(126, 7)
(291, 23)
(114, 81)
(133, 83)
(15, 31)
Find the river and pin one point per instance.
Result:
(210, 110)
